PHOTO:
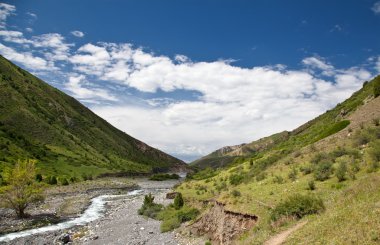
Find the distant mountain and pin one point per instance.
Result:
(324, 125)
(40, 122)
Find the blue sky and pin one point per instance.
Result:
(191, 76)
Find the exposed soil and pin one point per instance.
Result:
(223, 226)
(281, 237)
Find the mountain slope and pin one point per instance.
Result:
(334, 158)
(321, 127)
(38, 121)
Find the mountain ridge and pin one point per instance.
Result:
(39, 121)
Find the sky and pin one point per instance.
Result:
(191, 76)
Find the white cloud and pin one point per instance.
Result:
(5, 11)
(33, 15)
(317, 62)
(77, 33)
(376, 8)
(231, 104)
(28, 29)
(76, 85)
(378, 64)
(25, 58)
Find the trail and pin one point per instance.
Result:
(281, 237)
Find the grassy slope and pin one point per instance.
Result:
(41, 122)
(352, 206)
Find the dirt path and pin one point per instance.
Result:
(281, 237)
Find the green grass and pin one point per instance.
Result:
(40, 122)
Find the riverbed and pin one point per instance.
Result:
(110, 219)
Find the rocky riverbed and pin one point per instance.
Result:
(119, 224)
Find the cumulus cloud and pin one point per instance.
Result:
(376, 8)
(76, 85)
(77, 33)
(24, 58)
(216, 102)
(5, 11)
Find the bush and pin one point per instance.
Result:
(341, 171)
(278, 179)
(161, 177)
(293, 174)
(178, 201)
(149, 208)
(52, 180)
(64, 181)
(323, 171)
(172, 218)
(22, 189)
(236, 179)
(376, 88)
(187, 215)
(298, 206)
(306, 169)
(235, 193)
(311, 185)
(39, 178)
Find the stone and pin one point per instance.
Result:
(64, 238)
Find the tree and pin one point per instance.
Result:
(22, 189)
(178, 201)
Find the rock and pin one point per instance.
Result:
(95, 237)
(171, 195)
(64, 238)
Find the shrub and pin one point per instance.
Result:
(187, 215)
(64, 181)
(376, 88)
(278, 179)
(178, 201)
(22, 189)
(293, 174)
(52, 180)
(297, 206)
(311, 185)
(306, 169)
(341, 171)
(149, 208)
(39, 177)
(323, 171)
(236, 179)
(235, 193)
(161, 177)
(261, 176)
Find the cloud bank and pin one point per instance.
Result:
(218, 104)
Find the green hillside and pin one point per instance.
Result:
(285, 142)
(40, 122)
(333, 159)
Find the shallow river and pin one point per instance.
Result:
(93, 212)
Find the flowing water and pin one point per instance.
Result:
(93, 212)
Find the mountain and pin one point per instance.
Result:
(321, 127)
(41, 122)
(319, 182)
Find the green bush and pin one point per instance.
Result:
(172, 218)
(39, 177)
(278, 179)
(293, 174)
(52, 180)
(64, 181)
(341, 171)
(376, 87)
(149, 208)
(161, 177)
(311, 185)
(178, 201)
(236, 179)
(306, 169)
(323, 171)
(235, 193)
(298, 206)
(187, 215)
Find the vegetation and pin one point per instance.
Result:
(327, 170)
(298, 206)
(161, 177)
(172, 218)
(22, 189)
(149, 207)
(66, 138)
(178, 201)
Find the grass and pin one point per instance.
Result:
(40, 122)
(162, 177)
